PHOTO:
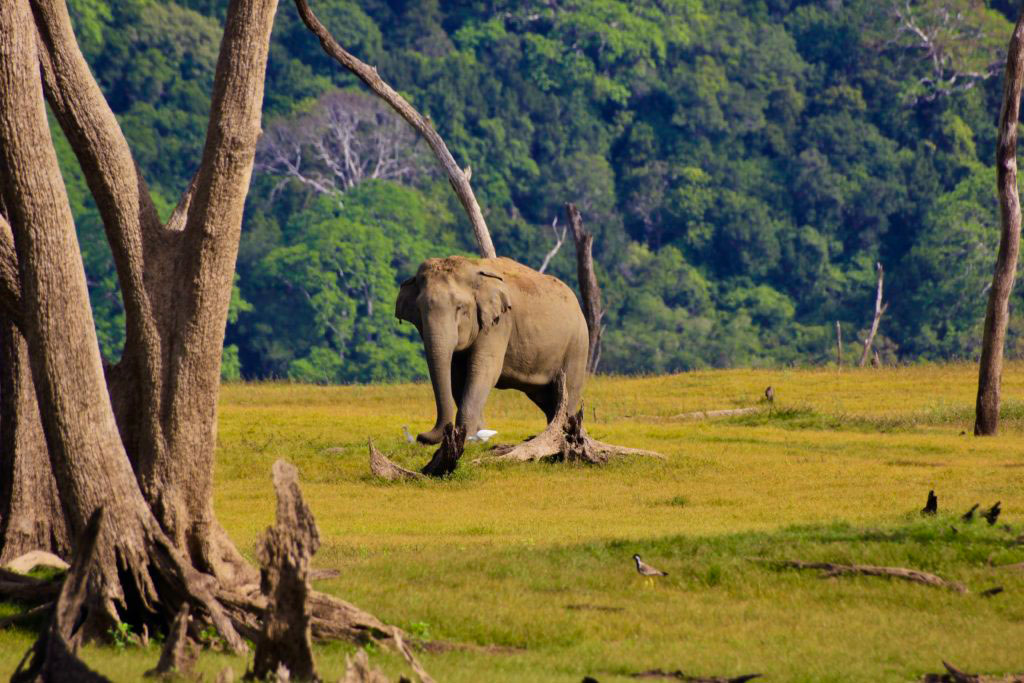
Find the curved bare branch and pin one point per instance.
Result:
(458, 178)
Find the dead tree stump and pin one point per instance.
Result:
(564, 440)
(284, 580)
(179, 653)
(53, 657)
(446, 458)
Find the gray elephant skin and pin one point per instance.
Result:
(489, 323)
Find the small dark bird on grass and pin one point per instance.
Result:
(647, 570)
(992, 514)
(932, 506)
(992, 591)
(769, 395)
(969, 515)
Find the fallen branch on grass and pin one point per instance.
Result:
(955, 675)
(830, 570)
(680, 676)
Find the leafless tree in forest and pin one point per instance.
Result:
(559, 240)
(135, 440)
(880, 310)
(347, 138)
(956, 39)
(997, 314)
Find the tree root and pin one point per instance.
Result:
(564, 440)
(446, 458)
(830, 570)
(52, 658)
(179, 653)
(28, 590)
(955, 675)
(442, 463)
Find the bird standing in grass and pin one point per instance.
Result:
(408, 436)
(992, 514)
(769, 395)
(932, 506)
(647, 571)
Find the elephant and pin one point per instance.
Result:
(493, 323)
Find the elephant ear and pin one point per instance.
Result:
(492, 299)
(405, 304)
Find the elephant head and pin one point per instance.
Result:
(452, 302)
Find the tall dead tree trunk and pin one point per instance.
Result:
(31, 517)
(589, 290)
(997, 315)
(880, 309)
(458, 177)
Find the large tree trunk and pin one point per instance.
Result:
(31, 517)
(136, 572)
(997, 314)
(176, 278)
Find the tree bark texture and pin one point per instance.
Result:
(458, 177)
(176, 278)
(997, 315)
(31, 517)
(589, 289)
(880, 309)
(135, 570)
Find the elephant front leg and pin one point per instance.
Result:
(483, 371)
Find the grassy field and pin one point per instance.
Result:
(537, 558)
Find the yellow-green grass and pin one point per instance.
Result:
(538, 557)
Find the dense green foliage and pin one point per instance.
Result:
(743, 163)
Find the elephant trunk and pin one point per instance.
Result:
(439, 347)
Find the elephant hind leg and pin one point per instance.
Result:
(546, 398)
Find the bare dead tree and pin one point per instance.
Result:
(458, 177)
(880, 310)
(997, 314)
(956, 44)
(839, 345)
(347, 138)
(589, 289)
(559, 240)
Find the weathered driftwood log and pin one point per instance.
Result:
(286, 637)
(564, 440)
(680, 676)
(829, 570)
(180, 652)
(446, 458)
(52, 658)
(955, 675)
(382, 467)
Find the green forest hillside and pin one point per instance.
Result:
(744, 165)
